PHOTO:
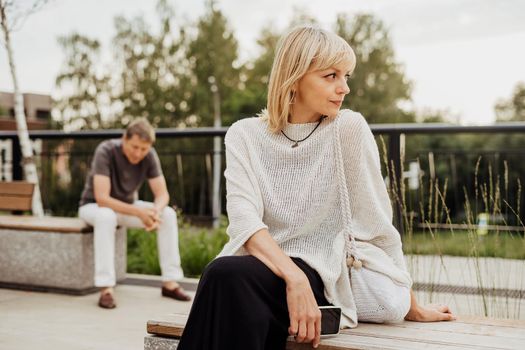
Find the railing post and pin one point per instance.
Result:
(396, 178)
(217, 164)
(18, 173)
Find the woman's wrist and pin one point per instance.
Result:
(293, 275)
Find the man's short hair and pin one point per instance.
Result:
(142, 128)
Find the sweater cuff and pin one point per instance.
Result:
(239, 236)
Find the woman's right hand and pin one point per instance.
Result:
(305, 316)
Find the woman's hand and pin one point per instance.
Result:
(305, 316)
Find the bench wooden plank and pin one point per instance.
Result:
(48, 224)
(20, 188)
(493, 322)
(484, 339)
(473, 325)
(359, 342)
(16, 195)
(12, 202)
(465, 333)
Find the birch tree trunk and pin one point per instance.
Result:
(21, 124)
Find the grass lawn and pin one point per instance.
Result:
(466, 243)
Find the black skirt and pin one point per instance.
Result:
(241, 304)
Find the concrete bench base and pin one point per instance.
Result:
(53, 261)
(153, 342)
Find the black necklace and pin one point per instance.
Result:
(296, 142)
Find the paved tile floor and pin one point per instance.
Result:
(33, 320)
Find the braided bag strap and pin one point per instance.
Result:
(352, 258)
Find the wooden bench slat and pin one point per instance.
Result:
(358, 342)
(469, 325)
(490, 339)
(21, 188)
(171, 325)
(498, 322)
(465, 333)
(12, 202)
(16, 195)
(48, 224)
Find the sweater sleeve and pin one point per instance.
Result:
(371, 209)
(244, 202)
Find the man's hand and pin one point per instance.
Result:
(305, 316)
(430, 313)
(149, 217)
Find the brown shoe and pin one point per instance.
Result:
(106, 301)
(177, 294)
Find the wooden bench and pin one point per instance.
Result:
(468, 332)
(49, 253)
(16, 195)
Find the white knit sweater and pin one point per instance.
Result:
(298, 194)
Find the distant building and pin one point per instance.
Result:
(37, 108)
(38, 117)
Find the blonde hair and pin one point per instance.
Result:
(302, 50)
(142, 128)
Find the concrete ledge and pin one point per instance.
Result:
(53, 261)
(135, 279)
(47, 289)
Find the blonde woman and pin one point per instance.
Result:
(310, 218)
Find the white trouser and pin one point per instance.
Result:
(105, 221)
(378, 299)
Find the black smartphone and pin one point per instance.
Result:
(330, 319)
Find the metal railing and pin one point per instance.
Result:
(394, 132)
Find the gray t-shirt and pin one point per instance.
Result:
(126, 178)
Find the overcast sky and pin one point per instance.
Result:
(461, 55)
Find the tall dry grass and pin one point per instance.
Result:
(431, 217)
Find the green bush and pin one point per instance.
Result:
(198, 246)
(143, 256)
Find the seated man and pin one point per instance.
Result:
(118, 170)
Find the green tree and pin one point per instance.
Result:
(378, 85)
(154, 72)
(213, 58)
(82, 102)
(83, 90)
(255, 75)
(514, 108)
(301, 17)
